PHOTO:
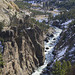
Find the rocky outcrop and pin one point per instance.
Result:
(23, 50)
(8, 9)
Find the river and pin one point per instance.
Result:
(49, 46)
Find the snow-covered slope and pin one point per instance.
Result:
(66, 46)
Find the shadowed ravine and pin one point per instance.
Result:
(49, 46)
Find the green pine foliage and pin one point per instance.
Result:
(1, 26)
(2, 40)
(61, 68)
(69, 67)
(41, 25)
(50, 17)
(23, 5)
(64, 67)
(36, 12)
(66, 15)
(57, 68)
(64, 4)
(1, 62)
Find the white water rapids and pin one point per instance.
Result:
(48, 50)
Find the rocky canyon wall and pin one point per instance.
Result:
(23, 50)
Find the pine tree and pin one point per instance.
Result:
(1, 60)
(1, 26)
(69, 64)
(44, 5)
(50, 17)
(64, 67)
(57, 68)
(1, 63)
(69, 67)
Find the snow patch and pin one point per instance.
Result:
(61, 53)
(66, 23)
(28, 28)
(73, 60)
(71, 55)
(73, 49)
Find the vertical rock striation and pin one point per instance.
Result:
(23, 50)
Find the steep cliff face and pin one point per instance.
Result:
(23, 50)
(65, 49)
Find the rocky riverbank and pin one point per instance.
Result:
(49, 43)
(64, 49)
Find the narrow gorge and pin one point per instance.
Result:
(49, 48)
(37, 37)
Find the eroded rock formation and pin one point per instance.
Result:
(23, 50)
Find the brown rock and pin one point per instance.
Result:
(24, 52)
